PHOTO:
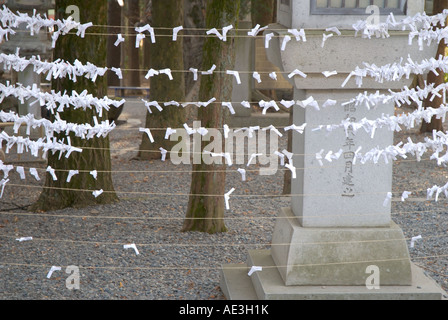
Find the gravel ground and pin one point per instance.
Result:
(174, 265)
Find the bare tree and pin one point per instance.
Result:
(113, 52)
(436, 79)
(60, 194)
(205, 211)
(165, 53)
(132, 53)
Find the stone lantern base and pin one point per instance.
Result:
(399, 278)
(269, 285)
(297, 266)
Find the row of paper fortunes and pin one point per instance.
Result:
(36, 22)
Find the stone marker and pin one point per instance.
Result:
(30, 45)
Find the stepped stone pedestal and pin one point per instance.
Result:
(337, 239)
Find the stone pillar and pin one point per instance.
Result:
(337, 216)
(38, 44)
(340, 201)
(337, 228)
(244, 48)
(338, 207)
(27, 78)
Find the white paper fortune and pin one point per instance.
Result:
(148, 133)
(227, 197)
(96, 193)
(131, 246)
(254, 269)
(243, 173)
(163, 152)
(176, 31)
(24, 239)
(52, 269)
(413, 239)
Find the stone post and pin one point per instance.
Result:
(243, 58)
(38, 44)
(27, 78)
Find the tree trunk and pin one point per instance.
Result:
(132, 53)
(113, 52)
(194, 17)
(436, 124)
(262, 12)
(165, 53)
(205, 211)
(60, 194)
(146, 19)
